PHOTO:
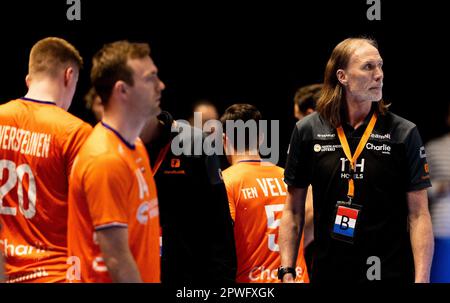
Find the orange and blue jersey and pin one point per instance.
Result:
(112, 185)
(257, 194)
(38, 144)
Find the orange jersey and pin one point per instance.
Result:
(257, 194)
(38, 144)
(112, 186)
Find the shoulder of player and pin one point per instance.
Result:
(11, 109)
(311, 124)
(61, 121)
(71, 123)
(279, 169)
(395, 119)
(400, 127)
(309, 120)
(232, 173)
(104, 160)
(228, 171)
(8, 105)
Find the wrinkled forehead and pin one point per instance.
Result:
(365, 52)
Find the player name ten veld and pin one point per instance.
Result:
(270, 187)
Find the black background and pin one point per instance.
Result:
(245, 51)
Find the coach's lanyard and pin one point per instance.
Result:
(161, 156)
(358, 151)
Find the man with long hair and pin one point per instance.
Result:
(369, 175)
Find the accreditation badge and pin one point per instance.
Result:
(345, 221)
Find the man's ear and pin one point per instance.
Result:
(342, 76)
(261, 138)
(28, 80)
(69, 74)
(120, 88)
(228, 145)
(224, 139)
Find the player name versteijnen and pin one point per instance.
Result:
(24, 141)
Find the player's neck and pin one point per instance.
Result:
(357, 112)
(45, 91)
(129, 129)
(151, 130)
(248, 156)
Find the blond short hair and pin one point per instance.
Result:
(50, 55)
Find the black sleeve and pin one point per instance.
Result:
(298, 170)
(198, 236)
(416, 159)
(223, 264)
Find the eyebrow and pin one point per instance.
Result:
(151, 73)
(372, 61)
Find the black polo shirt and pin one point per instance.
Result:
(392, 163)
(197, 230)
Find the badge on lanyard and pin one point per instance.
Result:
(345, 221)
(347, 214)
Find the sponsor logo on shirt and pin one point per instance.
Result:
(384, 149)
(326, 135)
(98, 265)
(422, 153)
(326, 148)
(175, 163)
(18, 250)
(359, 169)
(260, 273)
(147, 210)
(176, 169)
(380, 137)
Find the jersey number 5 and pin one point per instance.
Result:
(273, 224)
(16, 176)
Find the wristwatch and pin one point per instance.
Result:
(286, 270)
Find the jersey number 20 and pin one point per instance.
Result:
(16, 176)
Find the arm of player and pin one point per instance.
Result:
(117, 255)
(421, 234)
(308, 232)
(291, 228)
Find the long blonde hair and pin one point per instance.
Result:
(332, 99)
